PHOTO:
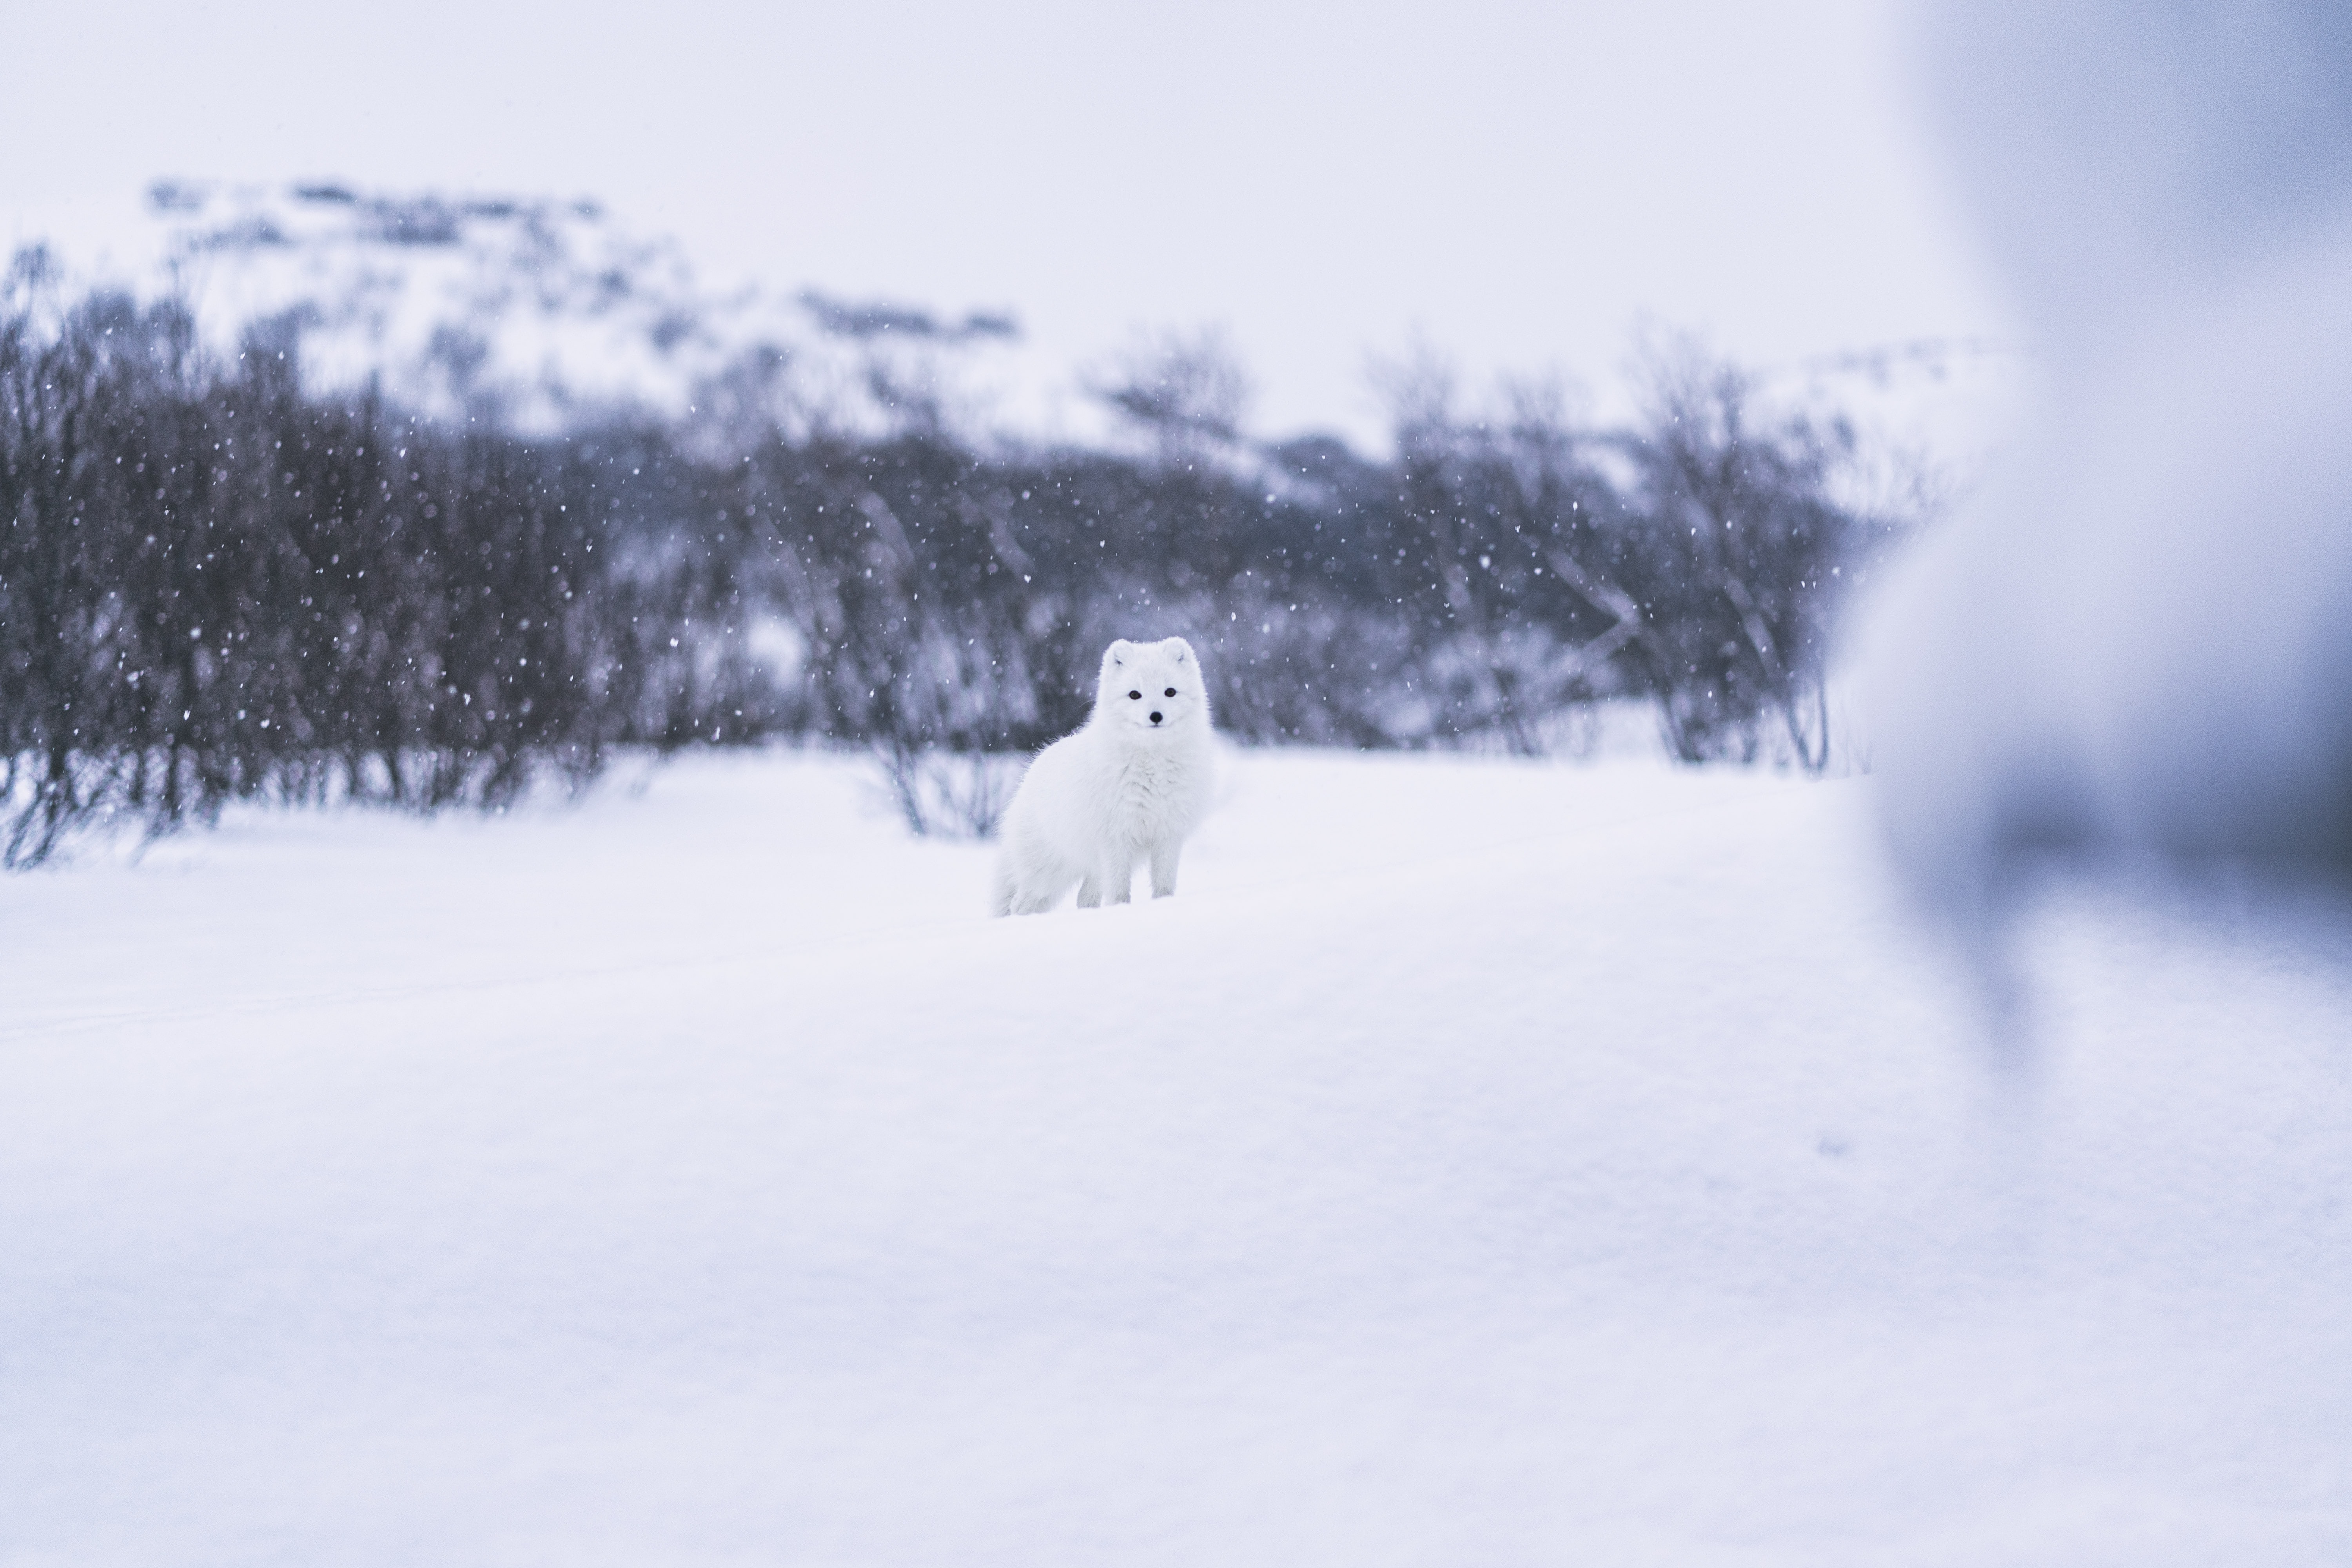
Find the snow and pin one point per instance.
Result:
(1477, 1161)
(542, 313)
(551, 314)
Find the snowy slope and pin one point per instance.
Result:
(541, 314)
(547, 314)
(1477, 1162)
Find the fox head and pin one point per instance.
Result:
(1152, 687)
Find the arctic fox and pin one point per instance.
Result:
(1130, 784)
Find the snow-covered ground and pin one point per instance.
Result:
(1478, 1163)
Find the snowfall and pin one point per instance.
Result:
(1477, 1161)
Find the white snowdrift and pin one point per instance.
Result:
(1477, 1162)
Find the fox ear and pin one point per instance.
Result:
(1117, 651)
(1184, 649)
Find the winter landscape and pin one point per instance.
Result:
(1765, 978)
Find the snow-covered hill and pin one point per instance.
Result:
(1476, 1162)
(543, 313)
(538, 312)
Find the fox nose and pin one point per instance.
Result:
(1155, 718)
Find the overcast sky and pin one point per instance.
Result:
(1516, 185)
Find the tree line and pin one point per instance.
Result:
(216, 584)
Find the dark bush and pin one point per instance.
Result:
(217, 585)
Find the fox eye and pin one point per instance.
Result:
(1171, 691)
(1136, 696)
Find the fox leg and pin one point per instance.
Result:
(1163, 868)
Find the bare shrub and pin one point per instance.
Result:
(216, 584)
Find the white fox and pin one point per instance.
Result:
(1130, 784)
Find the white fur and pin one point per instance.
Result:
(1124, 788)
